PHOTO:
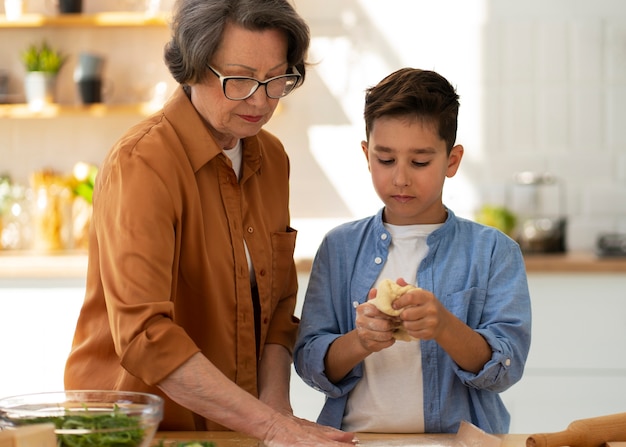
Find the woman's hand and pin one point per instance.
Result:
(293, 431)
(199, 386)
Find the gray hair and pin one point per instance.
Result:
(198, 29)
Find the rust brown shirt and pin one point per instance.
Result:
(168, 274)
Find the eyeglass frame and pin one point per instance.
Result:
(223, 80)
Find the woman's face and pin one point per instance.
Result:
(256, 54)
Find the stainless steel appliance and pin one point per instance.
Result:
(538, 201)
(611, 245)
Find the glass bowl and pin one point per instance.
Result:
(89, 417)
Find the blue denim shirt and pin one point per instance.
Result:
(477, 272)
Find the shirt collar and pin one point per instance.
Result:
(197, 140)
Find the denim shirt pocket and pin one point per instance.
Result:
(283, 246)
(467, 305)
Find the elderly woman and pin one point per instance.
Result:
(191, 284)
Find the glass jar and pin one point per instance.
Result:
(15, 216)
(51, 212)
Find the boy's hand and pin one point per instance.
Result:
(423, 316)
(374, 328)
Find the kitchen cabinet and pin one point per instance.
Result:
(37, 320)
(576, 367)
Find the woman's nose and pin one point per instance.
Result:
(259, 96)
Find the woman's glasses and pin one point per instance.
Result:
(238, 88)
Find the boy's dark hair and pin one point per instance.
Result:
(412, 92)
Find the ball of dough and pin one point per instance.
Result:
(387, 292)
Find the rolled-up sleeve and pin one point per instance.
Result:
(323, 321)
(505, 323)
(136, 238)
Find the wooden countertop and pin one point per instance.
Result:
(572, 262)
(233, 439)
(27, 264)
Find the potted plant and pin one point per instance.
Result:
(42, 64)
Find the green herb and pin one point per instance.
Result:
(84, 180)
(110, 430)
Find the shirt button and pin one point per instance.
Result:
(378, 260)
(507, 362)
(383, 236)
(250, 230)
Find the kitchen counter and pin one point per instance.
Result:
(73, 264)
(27, 264)
(573, 262)
(233, 439)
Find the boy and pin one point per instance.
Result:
(470, 311)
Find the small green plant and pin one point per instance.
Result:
(43, 57)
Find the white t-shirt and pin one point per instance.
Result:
(234, 153)
(390, 398)
(235, 158)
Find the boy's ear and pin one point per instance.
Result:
(454, 160)
(366, 152)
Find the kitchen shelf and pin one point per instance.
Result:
(103, 19)
(17, 111)
(13, 110)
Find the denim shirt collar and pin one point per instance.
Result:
(373, 257)
(446, 228)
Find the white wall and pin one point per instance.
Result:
(542, 88)
(542, 85)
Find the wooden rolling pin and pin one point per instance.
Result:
(592, 432)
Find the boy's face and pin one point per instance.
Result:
(409, 164)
